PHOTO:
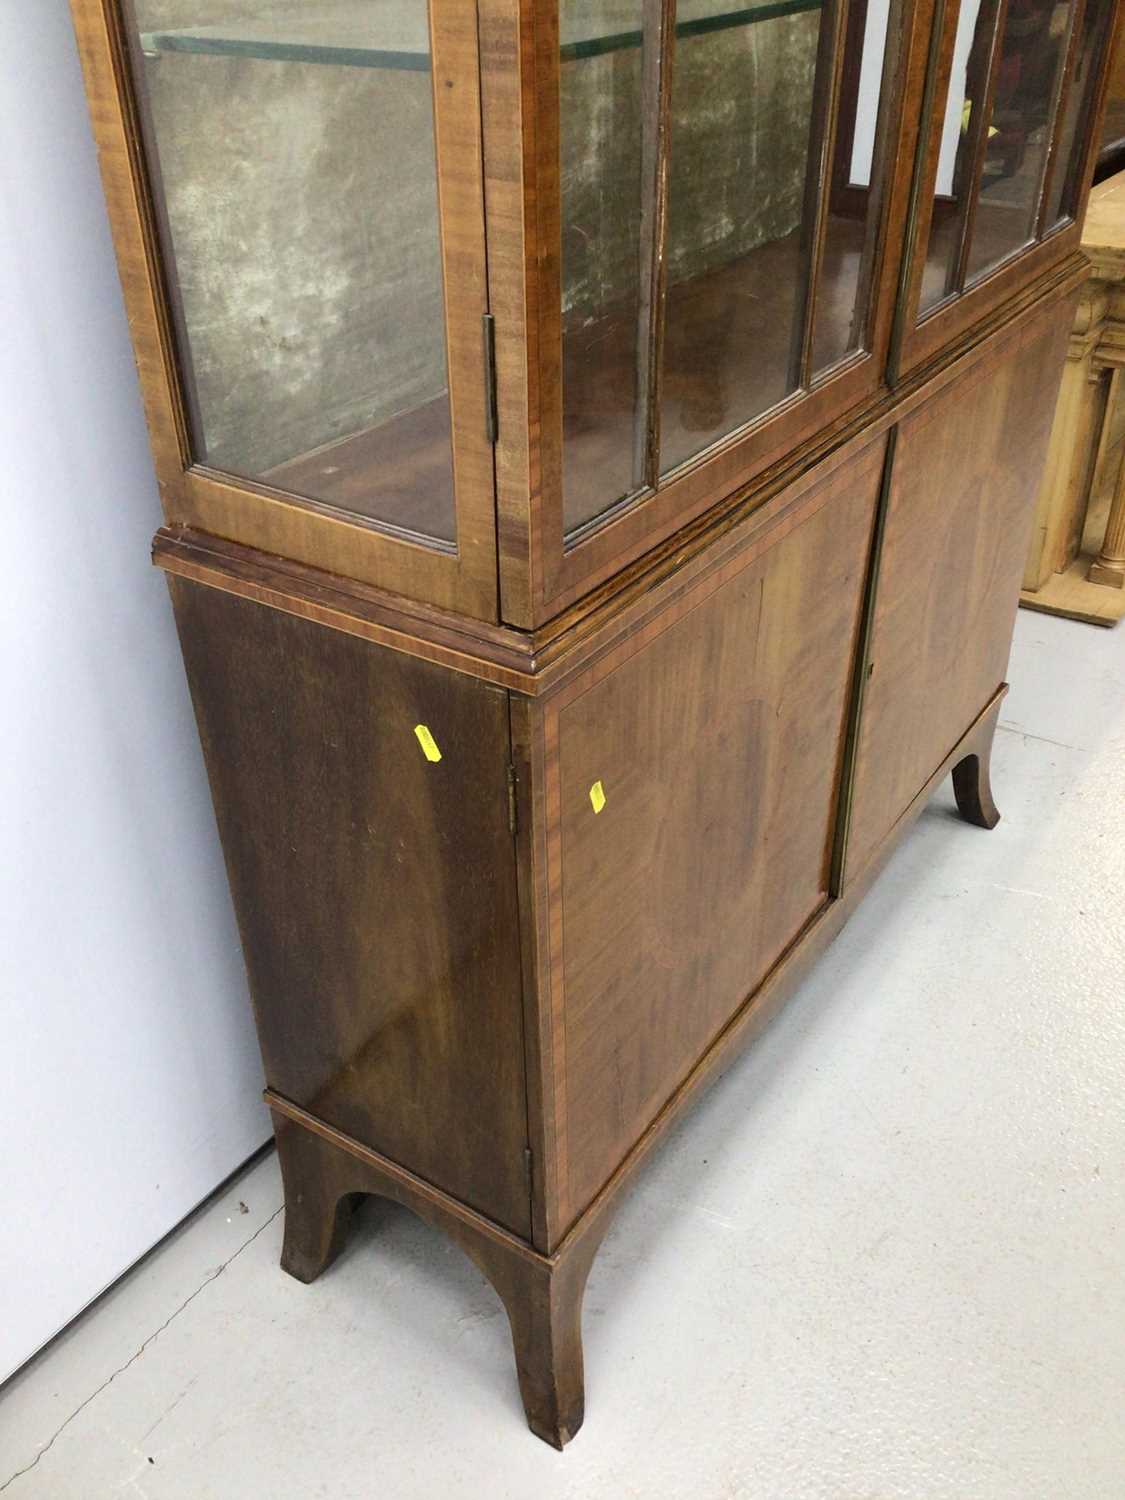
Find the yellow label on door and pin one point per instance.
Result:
(427, 742)
(597, 796)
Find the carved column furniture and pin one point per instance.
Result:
(1076, 557)
(597, 442)
(1108, 568)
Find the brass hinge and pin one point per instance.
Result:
(491, 420)
(513, 821)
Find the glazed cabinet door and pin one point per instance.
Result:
(362, 799)
(709, 271)
(965, 473)
(1013, 101)
(297, 199)
(690, 786)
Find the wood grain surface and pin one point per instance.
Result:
(965, 479)
(375, 889)
(714, 736)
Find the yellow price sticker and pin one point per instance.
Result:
(597, 796)
(428, 743)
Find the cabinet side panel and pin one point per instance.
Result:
(691, 786)
(966, 473)
(374, 887)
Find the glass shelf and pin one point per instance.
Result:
(356, 34)
(693, 18)
(359, 34)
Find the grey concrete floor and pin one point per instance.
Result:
(884, 1257)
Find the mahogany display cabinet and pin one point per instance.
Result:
(597, 441)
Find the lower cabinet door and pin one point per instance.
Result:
(965, 475)
(691, 781)
(362, 799)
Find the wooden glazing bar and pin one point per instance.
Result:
(979, 122)
(656, 107)
(1080, 169)
(104, 50)
(919, 210)
(882, 185)
(1061, 98)
(186, 384)
(818, 183)
(859, 332)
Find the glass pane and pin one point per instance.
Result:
(293, 152)
(1065, 186)
(1111, 142)
(742, 108)
(600, 150)
(852, 222)
(1026, 73)
(968, 85)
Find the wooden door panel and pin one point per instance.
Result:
(714, 737)
(1007, 208)
(966, 472)
(374, 887)
(326, 314)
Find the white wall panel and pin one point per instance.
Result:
(129, 1076)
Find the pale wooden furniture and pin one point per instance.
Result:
(597, 440)
(1076, 558)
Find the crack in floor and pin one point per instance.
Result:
(214, 1276)
(1026, 734)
